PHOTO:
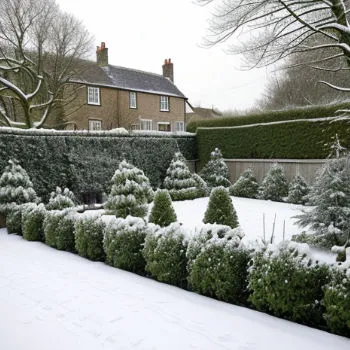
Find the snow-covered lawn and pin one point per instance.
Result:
(57, 300)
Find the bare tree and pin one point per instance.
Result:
(41, 49)
(280, 28)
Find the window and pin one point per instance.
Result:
(93, 95)
(164, 126)
(135, 126)
(179, 126)
(146, 124)
(164, 103)
(132, 100)
(95, 125)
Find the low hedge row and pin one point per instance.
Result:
(85, 163)
(311, 112)
(281, 280)
(299, 140)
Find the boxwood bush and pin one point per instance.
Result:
(218, 265)
(123, 243)
(14, 219)
(59, 229)
(165, 255)
(337, 301)
(89, 232)
(285, 282)
(33, 216)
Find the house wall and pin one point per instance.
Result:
(114, 109)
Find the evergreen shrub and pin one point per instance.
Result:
(337, 300)
(275, 185)
(245, 186)
(162, 212)
(165, 255)
(218, 265)
(14, 219)
(284, 281)
(89, 233)
(59, 229)
(220, 209)
(298, 190)
(123, 244)
(33, 216)
(60, 200)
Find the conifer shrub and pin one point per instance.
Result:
(215, 173)
(33, 217)
(131, 192)
(89, 233)
(298, 191)
(217, 265)
(165, 255)
(275, 185)
(123, 244)
(202, 188)
(337, 300)
(162, 213)
(284, 281)
(179, 180)
(220, 209)
(14, 219)
(60, 200)
(245, 186)
(330, 196)
(59, 229)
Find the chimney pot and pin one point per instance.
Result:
(168, 69)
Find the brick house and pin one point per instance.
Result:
(111, 97)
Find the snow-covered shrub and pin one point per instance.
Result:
(326, 240)
(131, 192)
(162, 213)
(330, 194)
(165, 254)
(33, 216)
(60, 200)
(59, 229)
(123, 243)
(337, 300)
(202, 188)
(179, 181)
(245, 186)
(15, 187)
(215, 173)
(217, 264)
(14, 219)
(275, 184)
(284, 281)
(220, 209)
(298, 190)
(89, 232)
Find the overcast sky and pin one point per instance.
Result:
(140, 34)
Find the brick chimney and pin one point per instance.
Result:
(168, 69)
(102, 55)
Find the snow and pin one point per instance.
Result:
(56, 300)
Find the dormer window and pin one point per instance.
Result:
(132, 100)
(164, 103)
(93, 95)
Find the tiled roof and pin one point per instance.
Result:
(127, 79)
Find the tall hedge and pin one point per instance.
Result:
(85, 162)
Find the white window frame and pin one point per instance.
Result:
(164, 104)
(132, 100)
(95, 125)
(179, 129)
(163, 123)
(146, 124)
(93, 95)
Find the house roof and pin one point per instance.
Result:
(127, 79)
(206, 112)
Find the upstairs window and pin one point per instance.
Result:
(179, 126)
(132, 100)
(95, 125)
(164, 103)
(93, 95)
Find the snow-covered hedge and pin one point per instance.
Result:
(33, 216)
(59, 229)
(89, 232)
(123, 243)
(245, 186)
(217, 264)
(285, 281)
(14, 219)
(165, 254)
(85, 162)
